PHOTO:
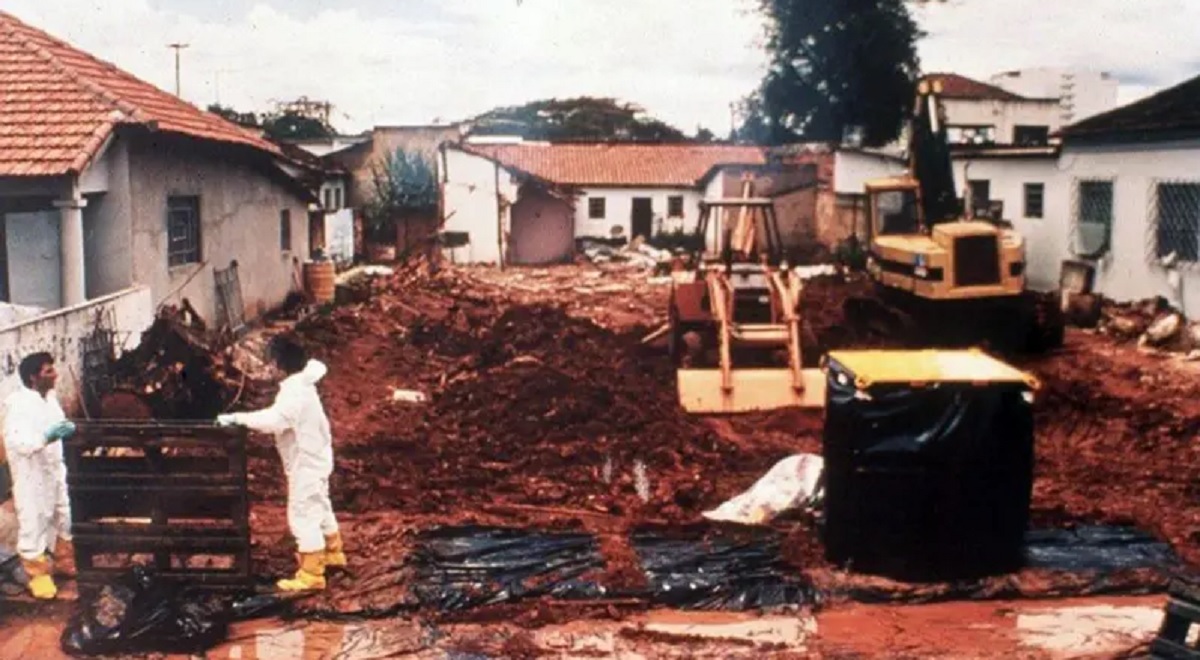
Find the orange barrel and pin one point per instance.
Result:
(318, 280)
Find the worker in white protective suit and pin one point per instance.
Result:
(34, 425)
(301, 429)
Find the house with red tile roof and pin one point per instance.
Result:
(116, 197)
(980, 114)
(531, 202)
(108, 183)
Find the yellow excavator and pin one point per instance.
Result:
(741, 301)
(956, 278)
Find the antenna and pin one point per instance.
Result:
(177, 47)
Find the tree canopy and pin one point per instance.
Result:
(834, 65)
(583, 118)
(277, 125)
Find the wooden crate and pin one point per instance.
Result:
(171, 495)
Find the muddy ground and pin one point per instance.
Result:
(542, 402)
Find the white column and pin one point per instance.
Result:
(70, 218)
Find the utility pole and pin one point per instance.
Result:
(177, 47)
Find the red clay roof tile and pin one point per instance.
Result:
(955, 86)
(58, 105)
(675, 165)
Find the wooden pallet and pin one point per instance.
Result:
(1181, 618)
(172, 496)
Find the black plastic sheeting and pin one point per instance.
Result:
(720, 574)
(139, 613)
(463, 567)
(1097, 549)
(926, 483)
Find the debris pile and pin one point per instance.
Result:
(178, 371)
(636, 253)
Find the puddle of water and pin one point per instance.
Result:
(1088, 629)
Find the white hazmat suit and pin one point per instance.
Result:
(39, 474)
(305, 445)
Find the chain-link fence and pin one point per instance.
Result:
(1091, 217)
(1173, 230)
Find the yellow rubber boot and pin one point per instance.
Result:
(40, 584)
(310, 576)
(335, 552)
(64, 559)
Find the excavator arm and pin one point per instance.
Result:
(929, 157)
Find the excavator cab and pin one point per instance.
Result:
(938, 265)
(741, 300)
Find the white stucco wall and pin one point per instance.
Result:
(1128, 272)
(852, 169)
(470, 204)
(339, 236)
(108, 227)
(127, 312)
(1045, 238)
(1082, 93)
(240, 219)
(619, 210)
(1003, 115)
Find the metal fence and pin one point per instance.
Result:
(1173, 230)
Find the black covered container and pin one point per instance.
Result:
(928, 463)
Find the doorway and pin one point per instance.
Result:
(642, 218)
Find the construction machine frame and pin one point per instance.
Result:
(739, 298)
(941, 266)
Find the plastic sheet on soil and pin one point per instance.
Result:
(1097, 549)
(463, 567)
(714, 573)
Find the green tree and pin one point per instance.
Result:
(403, 185)
(247, 119)
(583, 118)
(295, 126)
(834, 65)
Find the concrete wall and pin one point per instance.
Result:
(1003, 115)
(619, 211)
(127, 312)
(470, 205)
(852, 170)
(240, 215)
(339, 235)
(1131, 271)
(543, 230)
(1045, 237)
(108, 228)
(385, 140)
(1081, 93)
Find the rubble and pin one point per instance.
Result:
(181, 371)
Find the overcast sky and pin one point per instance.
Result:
(417, 61)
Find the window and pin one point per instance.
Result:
(596, 208)
(981, 196)
(285, 230)
(895, 212)
(328, 199)
(675, 206)
(1035, 194)
(1031, 135)
(979, 134)
(1178, 221)
(1094, 217)
(183, 230)
(337, 198)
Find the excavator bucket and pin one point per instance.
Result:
(701, 391)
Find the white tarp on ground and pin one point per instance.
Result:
(792, 483)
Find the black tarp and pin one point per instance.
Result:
(463, 567)
(708, 572)
(929, 482)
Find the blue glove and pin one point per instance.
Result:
(63, 429)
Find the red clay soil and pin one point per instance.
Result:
(537, 417)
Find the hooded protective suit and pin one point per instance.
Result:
(305, 445)
(39, 474)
